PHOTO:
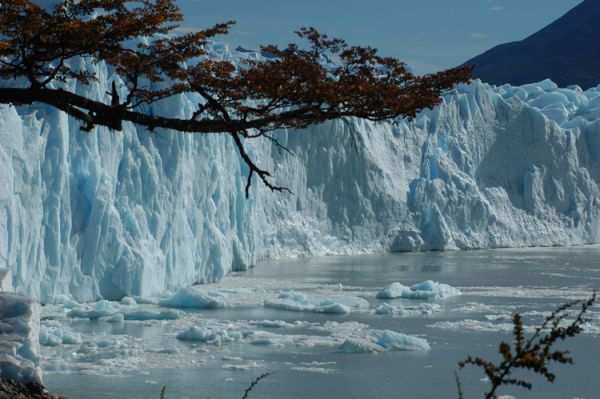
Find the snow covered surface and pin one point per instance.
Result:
(19, 338)
(106, 215)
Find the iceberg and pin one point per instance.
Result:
(215, 337)
(300, 302)
(104, 215)
(424, 309)
(192, 298)
(150, 314)
(360, 346)
(53, 334)
(100, 309)
(392, 340)
(425, 290)
(385, 340)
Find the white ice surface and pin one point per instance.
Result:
(5, 280)
(210, 337)
(106, 215)
(392, 340)
(425, 290)
(54, 334)
(399, 310)
(193, 298)
(335, 304)
(193, 339)
(19, 338)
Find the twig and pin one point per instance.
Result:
(254, 383)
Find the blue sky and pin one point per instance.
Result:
(428, 34)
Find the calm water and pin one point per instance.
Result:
(494, 284)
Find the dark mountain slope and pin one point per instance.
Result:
(566, 51)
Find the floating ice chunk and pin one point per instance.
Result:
(192, 298)
(271, 324)
(300, 302)
(499, 317)
(54, 336)
(319, 370)
(425, 290)
(391, 310)
(103, 343)
(294, 296)
(49, 339)
(432, 289)
(423, 309)
(166, 351)
(140, 300)
(243, 367)
(100, 309)
(394, 290)
(355, 345)
(385, 340)
(207, 336)
(66, 301)
(232, 358)
(266, 338)
(391, 340)
(127, 300)
(428, 308)
(332, 307)
(473, 325)
(116, 318)
(148, 314)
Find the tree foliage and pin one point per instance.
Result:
(292, 88)
(534, 353)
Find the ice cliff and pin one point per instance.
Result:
(108, 214)
(19, 346)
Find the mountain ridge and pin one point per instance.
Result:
(567, 51)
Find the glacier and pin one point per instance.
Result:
(104, 215)
(19, 346)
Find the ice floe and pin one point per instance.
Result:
(95, 311)
(425, 290)
(300, 302)
(210, 336)
(392, 340)
(53, 333)
(399, 310)
(193, 298)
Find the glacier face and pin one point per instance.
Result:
(106, 214)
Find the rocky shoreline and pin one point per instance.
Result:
(10, 389)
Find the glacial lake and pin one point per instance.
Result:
(112, 358)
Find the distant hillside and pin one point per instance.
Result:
(566, 51)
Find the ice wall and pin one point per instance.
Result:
(19, 343)
(105, 214)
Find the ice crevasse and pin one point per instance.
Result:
(108, 214)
